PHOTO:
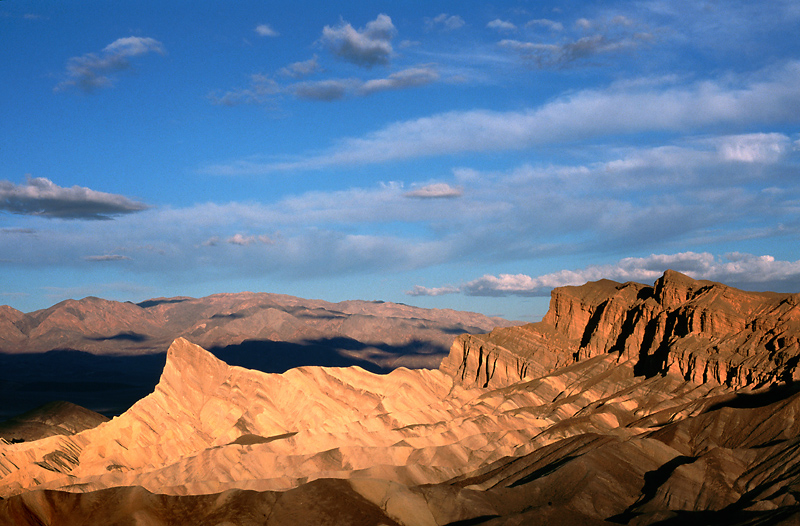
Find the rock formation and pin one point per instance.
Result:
(627, 404)
(702, 331)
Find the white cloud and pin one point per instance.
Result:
(407, 78)
(93, 70)
(565, 53)
(336, 89)
(323, 90)
(368, 47)
(735, 268)
(264, 30)
(435, 191)
(445, 21)
(243, 240)
(301, 69)
(629, 108)
(501, 25)
(41, 197)
(419, 290)
(754, 148)
(544, 22)
(261, 90)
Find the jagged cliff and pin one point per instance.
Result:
(703, 331)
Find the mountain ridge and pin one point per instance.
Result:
(103, 326)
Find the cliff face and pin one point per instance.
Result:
(700, 330)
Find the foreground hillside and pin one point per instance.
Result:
(627, 404)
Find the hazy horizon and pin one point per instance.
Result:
(465, 155)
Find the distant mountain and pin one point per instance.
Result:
(628, 404)
(100, 326)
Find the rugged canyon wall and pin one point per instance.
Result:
(703, 331)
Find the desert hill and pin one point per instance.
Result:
(627, 404)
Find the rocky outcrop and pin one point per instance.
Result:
(703, 331)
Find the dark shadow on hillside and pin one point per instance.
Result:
(111, 384)
(276, 357)
(153, 303)
(106, 384)
(775, 393)
(128, 336)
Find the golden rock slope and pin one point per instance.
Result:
(565, 421)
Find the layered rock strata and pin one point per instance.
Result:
(702, 331)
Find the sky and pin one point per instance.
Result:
(469, 155)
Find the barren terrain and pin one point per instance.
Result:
(627, 404)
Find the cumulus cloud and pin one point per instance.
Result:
(501, 25)
(94, 70)
(435, 191)
(444, 21)
(41, 197)
(301, 69)
(739, 269)
(367, 47)
(264, 30)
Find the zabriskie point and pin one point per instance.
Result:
(626, 404)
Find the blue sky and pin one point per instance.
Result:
(467, 155)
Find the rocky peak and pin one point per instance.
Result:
(700, 330)
(189, 367)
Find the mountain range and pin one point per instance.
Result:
(628, 403)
